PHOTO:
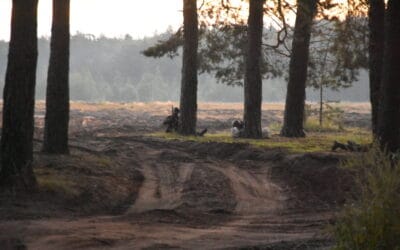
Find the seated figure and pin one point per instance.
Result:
(172, 121)
(237, 130)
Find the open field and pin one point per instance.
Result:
(128, 185)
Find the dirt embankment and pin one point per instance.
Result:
(119, 189)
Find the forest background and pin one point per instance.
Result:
(115, 70)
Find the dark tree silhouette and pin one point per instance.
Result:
(296, 91)
(19, 99)
(376, 16)
(389, 122)
(57, 96)
(188, 101)
(253, 80)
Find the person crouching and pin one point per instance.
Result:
(237, 130)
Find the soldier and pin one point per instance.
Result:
(237, 128)
(172, 121)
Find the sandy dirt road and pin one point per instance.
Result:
(192, 196)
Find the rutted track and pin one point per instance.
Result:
(196, 196)
(186, 201)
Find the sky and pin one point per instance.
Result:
(112, 18)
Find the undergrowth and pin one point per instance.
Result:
(312, 125)
(332, 118)
(314, 142)
(371, 219)
(57, 185)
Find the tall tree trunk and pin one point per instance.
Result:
(188, 102)
(389, 122)
(296, 90)
(19, 99)
(253, 80)
(57, 96)
(376, 44)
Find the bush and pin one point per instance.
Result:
(312, 125)
(371, 219)
(332, 118)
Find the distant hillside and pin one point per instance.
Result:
(106, 69)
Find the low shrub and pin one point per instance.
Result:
(371, 218)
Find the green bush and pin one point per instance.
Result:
(332, 118)
(371, 219)
(312, 125)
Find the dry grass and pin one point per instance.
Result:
(362, 107)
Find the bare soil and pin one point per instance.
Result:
(121, 189)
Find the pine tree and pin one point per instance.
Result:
(389, 117)
(296, 92)
(19, 99)
(253, 80)
(188, 100)
(376, 18)
(57, 96)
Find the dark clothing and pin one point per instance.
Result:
(172, 121)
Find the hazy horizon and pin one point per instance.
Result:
(114, 18)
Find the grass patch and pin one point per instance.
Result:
(95, 160)
(312, 125)
(314, 142)
(57, 185)
(371, 220)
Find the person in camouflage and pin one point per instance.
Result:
(172, 121)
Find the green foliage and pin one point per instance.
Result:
(167, 47)
(221, 52)
(334, 115)
(335, 64)
(332, 118)
(312, 125)
(371, 220)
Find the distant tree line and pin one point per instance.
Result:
(109, 69)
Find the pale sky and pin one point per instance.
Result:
(112, 18)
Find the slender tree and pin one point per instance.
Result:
(19, 99)
(376, 19)
(253, 80)
(188, 102)
(389, 118)
(296, 89)
(57, 96)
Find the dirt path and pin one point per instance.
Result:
(186, 201)
(193, 196)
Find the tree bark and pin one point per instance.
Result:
(19, 99)
(253, 80)
(188, 102)
(389, 122)
(376, 24)
(296, 90)
(57, 96)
